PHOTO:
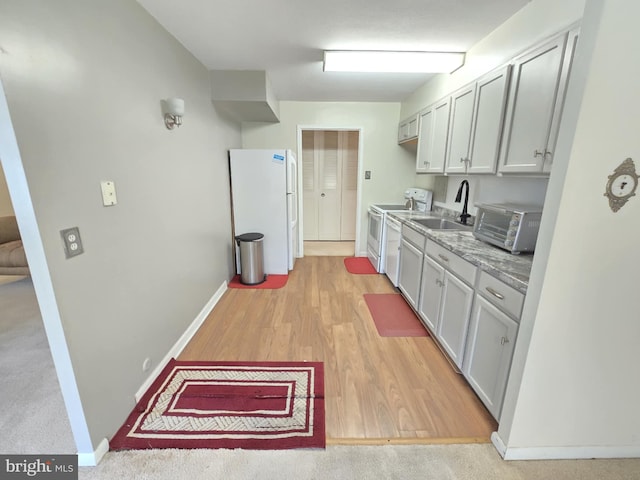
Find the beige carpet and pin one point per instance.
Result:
(33, 419)
(406, 462)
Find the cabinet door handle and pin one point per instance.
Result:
(443, 258)
(504, 340)
(537, 153)
(494, 293)
(462, 159)
(439, 282)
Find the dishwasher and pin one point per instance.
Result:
(392, 249)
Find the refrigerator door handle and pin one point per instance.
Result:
(293, 208)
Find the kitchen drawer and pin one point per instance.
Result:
(457, 265)
(501, 295)
(414, 237)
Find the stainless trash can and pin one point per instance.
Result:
(251, 258)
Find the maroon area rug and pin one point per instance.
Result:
(359, 265)
(250, 405)
(393, 316)
(272, 282)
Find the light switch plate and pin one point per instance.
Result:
(108, 193)
(72, 242)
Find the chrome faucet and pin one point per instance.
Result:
(464, 215)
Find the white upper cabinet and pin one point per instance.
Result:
(461, 120)
(425, 140)
(569, 52)
(477, 115)
(432, 139)
(408, 129)
(505, 121)
(535, 105)
(488, 120)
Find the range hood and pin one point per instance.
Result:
(246, 95)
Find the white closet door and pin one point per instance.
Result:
(349, 151)
(330, 182)
(330, 188)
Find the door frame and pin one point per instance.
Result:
(302, 128)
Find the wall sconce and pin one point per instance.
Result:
(173, 109)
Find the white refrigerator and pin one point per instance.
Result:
(264, 200)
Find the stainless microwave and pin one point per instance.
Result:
(509, 226)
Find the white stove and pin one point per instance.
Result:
(377, 243)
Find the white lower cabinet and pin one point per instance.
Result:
(446, 298)
(457, 298)
(431, 292)
(475, 322)
(410, 274)
(490, 344)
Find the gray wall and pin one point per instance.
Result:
(84, 81)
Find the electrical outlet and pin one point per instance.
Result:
(72, 242)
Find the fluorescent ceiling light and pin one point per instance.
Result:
(392, 62)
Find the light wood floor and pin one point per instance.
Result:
(377, 390)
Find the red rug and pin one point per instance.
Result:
(359, 265)
(272, 282)
(250, 405)
(393, 316)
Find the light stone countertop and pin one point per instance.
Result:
(512, 269)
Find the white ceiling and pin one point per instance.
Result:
(287, 38)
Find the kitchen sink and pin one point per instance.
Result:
(441, 224)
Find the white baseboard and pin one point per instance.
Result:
(92, 459)
(182, 341)
(570, 453)
(498, 443)
(563, 453)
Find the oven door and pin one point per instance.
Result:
(374, 237)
